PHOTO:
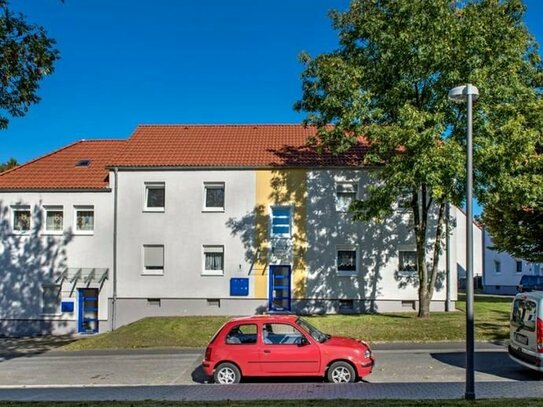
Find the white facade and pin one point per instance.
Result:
(33, 261)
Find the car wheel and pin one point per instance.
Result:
(341, 372)
(227, 373)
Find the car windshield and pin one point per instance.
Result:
(314, 332)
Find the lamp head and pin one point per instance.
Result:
(461, 93)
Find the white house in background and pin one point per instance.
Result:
(208, 220)
(502, 271)
(496, 272)
(459, 239)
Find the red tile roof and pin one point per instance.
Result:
(181, 146)
(58, 169)
(250, 146)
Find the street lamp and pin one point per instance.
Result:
(468, 93)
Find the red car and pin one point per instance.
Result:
(283, 345)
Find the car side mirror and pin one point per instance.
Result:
(303, 341)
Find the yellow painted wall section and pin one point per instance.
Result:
(281, 187)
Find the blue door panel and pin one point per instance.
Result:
(279, 288)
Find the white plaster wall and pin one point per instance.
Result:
(378, 246)
(28, 261)
(459, 239)
(508, 275)
(183, 228)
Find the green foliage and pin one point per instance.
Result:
(26, 56)
(388, 82)
(11, 163)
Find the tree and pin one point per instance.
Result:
(26, 56)
(11, 163)
(388, 82)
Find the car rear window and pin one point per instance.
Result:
(524, 313)
(242, 334)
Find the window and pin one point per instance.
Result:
(214, 196)
(84, 219)
(281, 334)
(242, 335)
(345, 195)
(54, 219)
(51, 299)
(519, 266)
(346, 260)
(524, 314)
(408, 262)
(281, 221)
(153, 259)
(155, 194)
(213, 260)
(497, 266)
(22, 219)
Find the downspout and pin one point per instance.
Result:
(448, 304)
(114, 299)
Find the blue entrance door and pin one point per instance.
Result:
(88, 310)
(279, 295)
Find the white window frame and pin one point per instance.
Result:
(497, 267)
(154, 270)
(341, 185)
(212, 249)
(517, 262)
(46, 210)
(347, 248)
(84, 208)
(42, 299)
(214, 185)
(21, 208)
(153, 185)
(290, 208)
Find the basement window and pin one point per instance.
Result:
(153, 302)
(214, 302)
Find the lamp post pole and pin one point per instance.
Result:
(468, 93)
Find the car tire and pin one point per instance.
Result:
(227, 373)
(341, 372)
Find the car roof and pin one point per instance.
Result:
(266, 318)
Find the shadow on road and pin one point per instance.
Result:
(22, 347)
(492, 363)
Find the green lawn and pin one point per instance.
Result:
(287, 403)
(491, 323)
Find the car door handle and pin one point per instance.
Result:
(267, 351)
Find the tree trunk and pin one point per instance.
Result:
(424, 303)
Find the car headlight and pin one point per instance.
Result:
(367, 353)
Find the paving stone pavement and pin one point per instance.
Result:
(282, 391)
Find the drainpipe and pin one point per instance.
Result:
(114, 299)
(448, 304)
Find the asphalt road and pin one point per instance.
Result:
(397, 363)
(403, 371)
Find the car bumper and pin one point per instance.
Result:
(525, 359)
(365, 368)
(207, 367)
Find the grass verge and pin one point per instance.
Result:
(491, 324)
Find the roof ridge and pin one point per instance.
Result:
(223, 125)
(55, 152)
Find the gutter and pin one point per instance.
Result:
(115, 205)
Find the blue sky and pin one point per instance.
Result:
(127, 62)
